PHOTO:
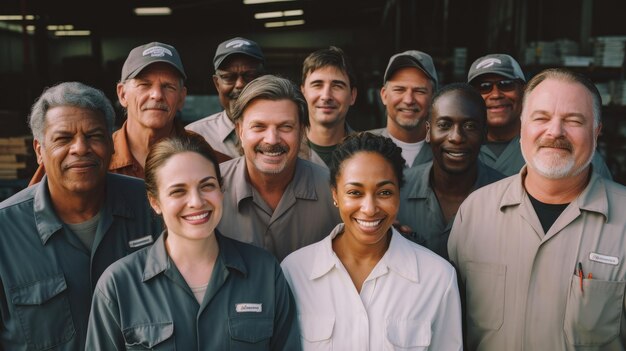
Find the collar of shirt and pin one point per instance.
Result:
(302, 185)
(226, 128)
(47, 221)
(122, 158)
(399, 258)
(158, 260)
(593, 198)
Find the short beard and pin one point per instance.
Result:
(555, 166)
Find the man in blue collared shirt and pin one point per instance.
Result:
(58, 236)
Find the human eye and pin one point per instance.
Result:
(249, 76)
(443, 124)
(286, 127)
(470, 126)
(353, 192)
(176, 192)
(386, 192)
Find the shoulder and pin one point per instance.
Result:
(23, 196)
(319, 172)
(230, 165)
(126, 269)
(378, 131)
(204, 121)
(425, 257)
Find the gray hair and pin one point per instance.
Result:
(565, 75)
(273, 88)
(73, 94)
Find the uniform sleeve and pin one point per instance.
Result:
(446, 329)
(453, 239)
(103, 331)
(286, 328)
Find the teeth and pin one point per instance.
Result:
(197, 217)
(456, 154)
(368, 223)
(273, 153)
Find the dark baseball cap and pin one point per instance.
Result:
(145, 55)
(412, 58)
(500, 64)
(238, 45)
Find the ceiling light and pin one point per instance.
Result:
(278, 14)
(153, 11)
(254, 2)
(16, 17)
(53, 27)
(284, 23)
(72, 33)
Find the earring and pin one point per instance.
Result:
(335, 203)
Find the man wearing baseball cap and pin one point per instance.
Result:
(410, 81)
(237, 61)
(500, 81)
(152, 91)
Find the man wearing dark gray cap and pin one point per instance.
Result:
(410, 81)
(500, 81)
(237, 61)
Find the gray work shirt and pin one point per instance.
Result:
(521, 290)
(47, 275)
(425, 154)
(511, 161)
(143, 302)
(304, 215)
(219, 131)
(420, 209)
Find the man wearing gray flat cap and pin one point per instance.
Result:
(237, 61)
(410, 81)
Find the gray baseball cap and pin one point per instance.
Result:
(145, 55)
(500, 64)
(412, 58)
(238, 45)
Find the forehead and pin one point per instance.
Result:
(327, 73)
(457, 104)
(366, 164)
(196, 167)
(72, 118)
(271, 111)
(161, 70)
(239, 62)
(560, 97)
(406, 75)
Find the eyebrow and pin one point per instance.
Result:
(568, 114)
(379, 184)
(178, 185)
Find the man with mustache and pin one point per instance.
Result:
(58, 236)
(152, 91)
(237, 61)
(500, 81)
(410, 81)
(541, 254)
(272, 198)
(329, 87)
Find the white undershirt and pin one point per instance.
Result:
(409, 150)
(199, 291)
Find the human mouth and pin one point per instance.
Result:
(271, 150)
(456, 154)
(368, 224)
(197, 218)
(160, 107)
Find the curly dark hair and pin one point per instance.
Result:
(367, 142)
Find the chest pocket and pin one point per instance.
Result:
(156, 336)
(408, 335)
(43, 309)
(593, 318)
(317, 331)
(248, 334)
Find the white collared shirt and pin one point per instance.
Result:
(410, 300)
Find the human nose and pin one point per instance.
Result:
(80, 146)
(408, 98)
(495, 93)
(240, 82)
(456, 134)
(555, 128)
(156, 93)
(271, 136)
(195, 199)
(325, 93)
(368, 206)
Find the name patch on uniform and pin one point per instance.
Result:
(604, 258)
(249, 307)
(141, 241)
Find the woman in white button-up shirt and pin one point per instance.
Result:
(366, 287)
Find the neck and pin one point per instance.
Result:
(412, 135)
(453, 184)
(506, 133)
(77, 208)
(270, 186)
(347, 248)
(141, 138)
(556, 191)
(325, 135)
(187, 253)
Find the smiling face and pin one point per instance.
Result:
(558, 134)
(233, 75)
(189, 199)
(75, 150)
(329, 96)
(270, 135)
(153, 97)
(455, 132)
(368, 197)
(407, 96)
(503, 107)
